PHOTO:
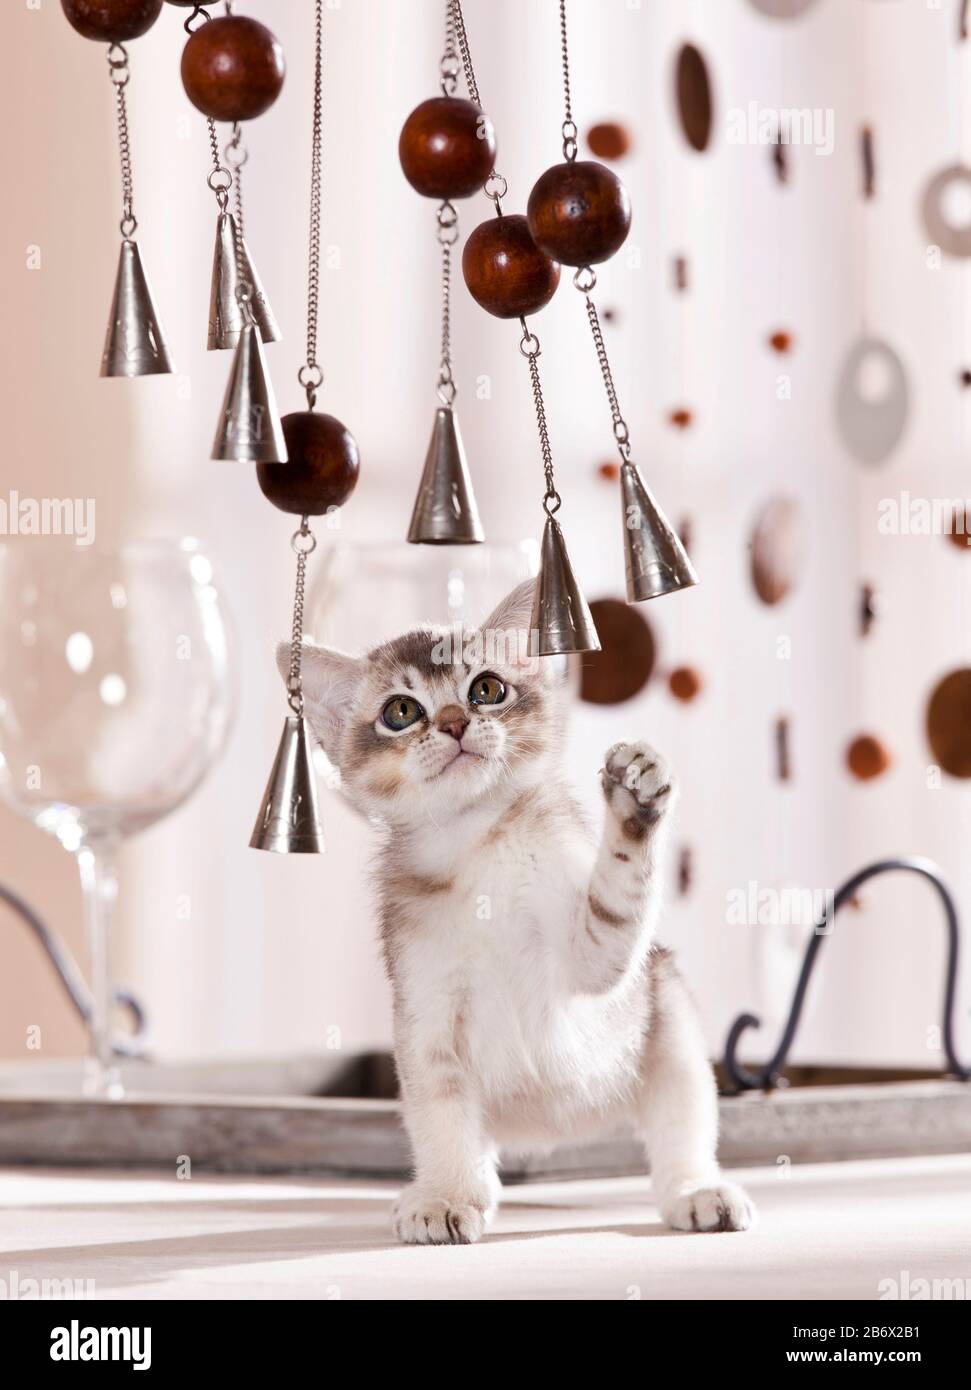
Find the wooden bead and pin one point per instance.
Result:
(232, 68)
(112, 21)
(579, 213)
(447, 148)
(505, 271)
(322, 469)
(867, 757)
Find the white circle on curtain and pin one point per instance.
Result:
(946, 210)
(781, 9)
(871, 400)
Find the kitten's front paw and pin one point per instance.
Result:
(638, 785)
(726, 1207)
(421, 1219)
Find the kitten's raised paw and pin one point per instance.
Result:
(638, 785)
(419, 1219)
(726, 1207)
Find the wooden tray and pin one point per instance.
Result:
(324, 1116)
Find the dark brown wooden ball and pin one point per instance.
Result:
(447, 148)
(505, 271)
(579, 213)
(112, 21)
(233, 68)
(322, 469)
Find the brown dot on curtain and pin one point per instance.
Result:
(623, 666)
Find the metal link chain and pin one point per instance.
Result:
(448, 233)
(236, 155)
(244, 288)
(120, 74)
(621, 432)
(530, 348)
(220, 178)
(496, 186)
(585, 277)
(568, 128)
(197, 14)
(451, 65)
(310, 375)
(303, 543)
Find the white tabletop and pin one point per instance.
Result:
(826, 1231)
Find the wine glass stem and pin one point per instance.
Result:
(98, 886)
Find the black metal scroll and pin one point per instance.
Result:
(769, 1075)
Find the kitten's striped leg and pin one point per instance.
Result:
(678, 1115)
(456, 1188)
(618, 918)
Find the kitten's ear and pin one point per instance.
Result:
(508, 626)
(515, 610)
(330, 679)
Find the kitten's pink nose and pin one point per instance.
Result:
(452, 720)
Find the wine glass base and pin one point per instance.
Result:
(100, 1081)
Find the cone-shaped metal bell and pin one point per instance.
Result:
(134, 343)
(561, 621)
(289, 822)
(657, 563)
(226, 317)
(445, 511)
(249, 426)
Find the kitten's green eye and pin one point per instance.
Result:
(400, 711)
(487, 690)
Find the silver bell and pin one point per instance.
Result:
(289, 822)
(445, 512)
(134, 344)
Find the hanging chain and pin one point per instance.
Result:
(223, 177)
(119, 73)
(496, 186)
(568, 129)
(448, 233)
(199, 14)
(303, 543)
(236, 155)
(585, 277)
(621, 432)
(451, 64)
(220, 178)
(310, 375)
(530, 349)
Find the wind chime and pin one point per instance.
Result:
(509, 275)
(579, 214)
(447, 149)
(320, 475)
(233, 70)
(134, 344)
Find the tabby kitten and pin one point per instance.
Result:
(531, 1005)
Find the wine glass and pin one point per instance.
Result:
(117, 690)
